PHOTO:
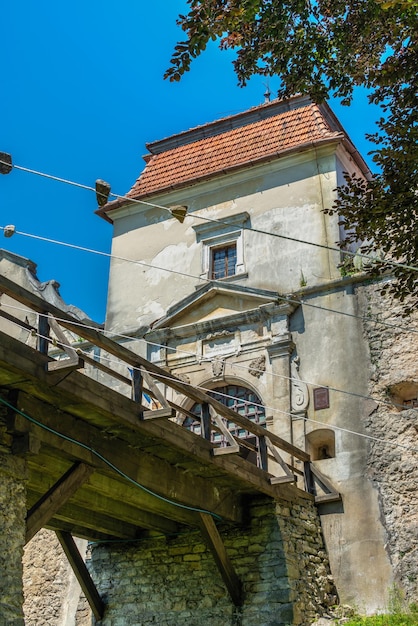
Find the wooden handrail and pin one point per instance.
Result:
(96, 338)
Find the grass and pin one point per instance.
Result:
(398, 613)
(397, 619)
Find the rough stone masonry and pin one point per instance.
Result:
(279, 557)
(393, 420)
(12, 531)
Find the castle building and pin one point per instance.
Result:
(225, 227)
(229, 299)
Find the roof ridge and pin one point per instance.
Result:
(221, 125)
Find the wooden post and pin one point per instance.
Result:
(205, 421)
(262, 453)
(309, 480)
(216, 546)
(82, 574)
(43, 330)
(137, 383)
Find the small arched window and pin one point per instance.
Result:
(321, 444)
(241, 400)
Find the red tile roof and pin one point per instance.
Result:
(235, 142)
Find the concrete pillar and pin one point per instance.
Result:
(12, 535)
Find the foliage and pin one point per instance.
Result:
(323, 47)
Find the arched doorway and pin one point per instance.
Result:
(243, 401)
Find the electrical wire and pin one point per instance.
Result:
(288, 414)
(364, 318)
(106, 461)
(275, 409)
(217, 221)
(200, 278)
(193, 354)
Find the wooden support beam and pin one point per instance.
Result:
(233, 446)
(74, 361)
(158, 414)
(153, 389)
(70, 514)
(152, 472)
(288, 476)
(26, 444)
(82, 574)
(331, 494)
(216, 546)
(55, 497)
(105, 497)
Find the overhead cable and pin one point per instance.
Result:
(270, 408)
(193, 354)
(205, 218)
(287, 298)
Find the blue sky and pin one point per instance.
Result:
(82, 92)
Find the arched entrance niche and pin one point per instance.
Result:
(244, 401)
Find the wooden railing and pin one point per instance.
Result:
(52, 330)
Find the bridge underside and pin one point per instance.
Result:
(99, 471)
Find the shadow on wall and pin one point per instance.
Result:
(174, 580)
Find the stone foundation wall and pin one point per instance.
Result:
(393, 466)
(279, 557)
(51, 590)
(12, 536)
(12, 528)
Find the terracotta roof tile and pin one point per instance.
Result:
(247, 144)
(263, 133)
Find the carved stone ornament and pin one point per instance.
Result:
(218, 367)
(257, 367)
(218, 334)
(300, 393)
(183, 377)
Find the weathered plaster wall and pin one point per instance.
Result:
(279, 557)
(392, 461)
(333, 354)
(283, 197)
(327, 338)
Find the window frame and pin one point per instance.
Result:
(222, 241)
(214, 235)
(225, 261)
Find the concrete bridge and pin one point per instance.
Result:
(92, 448)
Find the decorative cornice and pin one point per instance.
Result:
(282, 345)
(236, 320)
(207, 228)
